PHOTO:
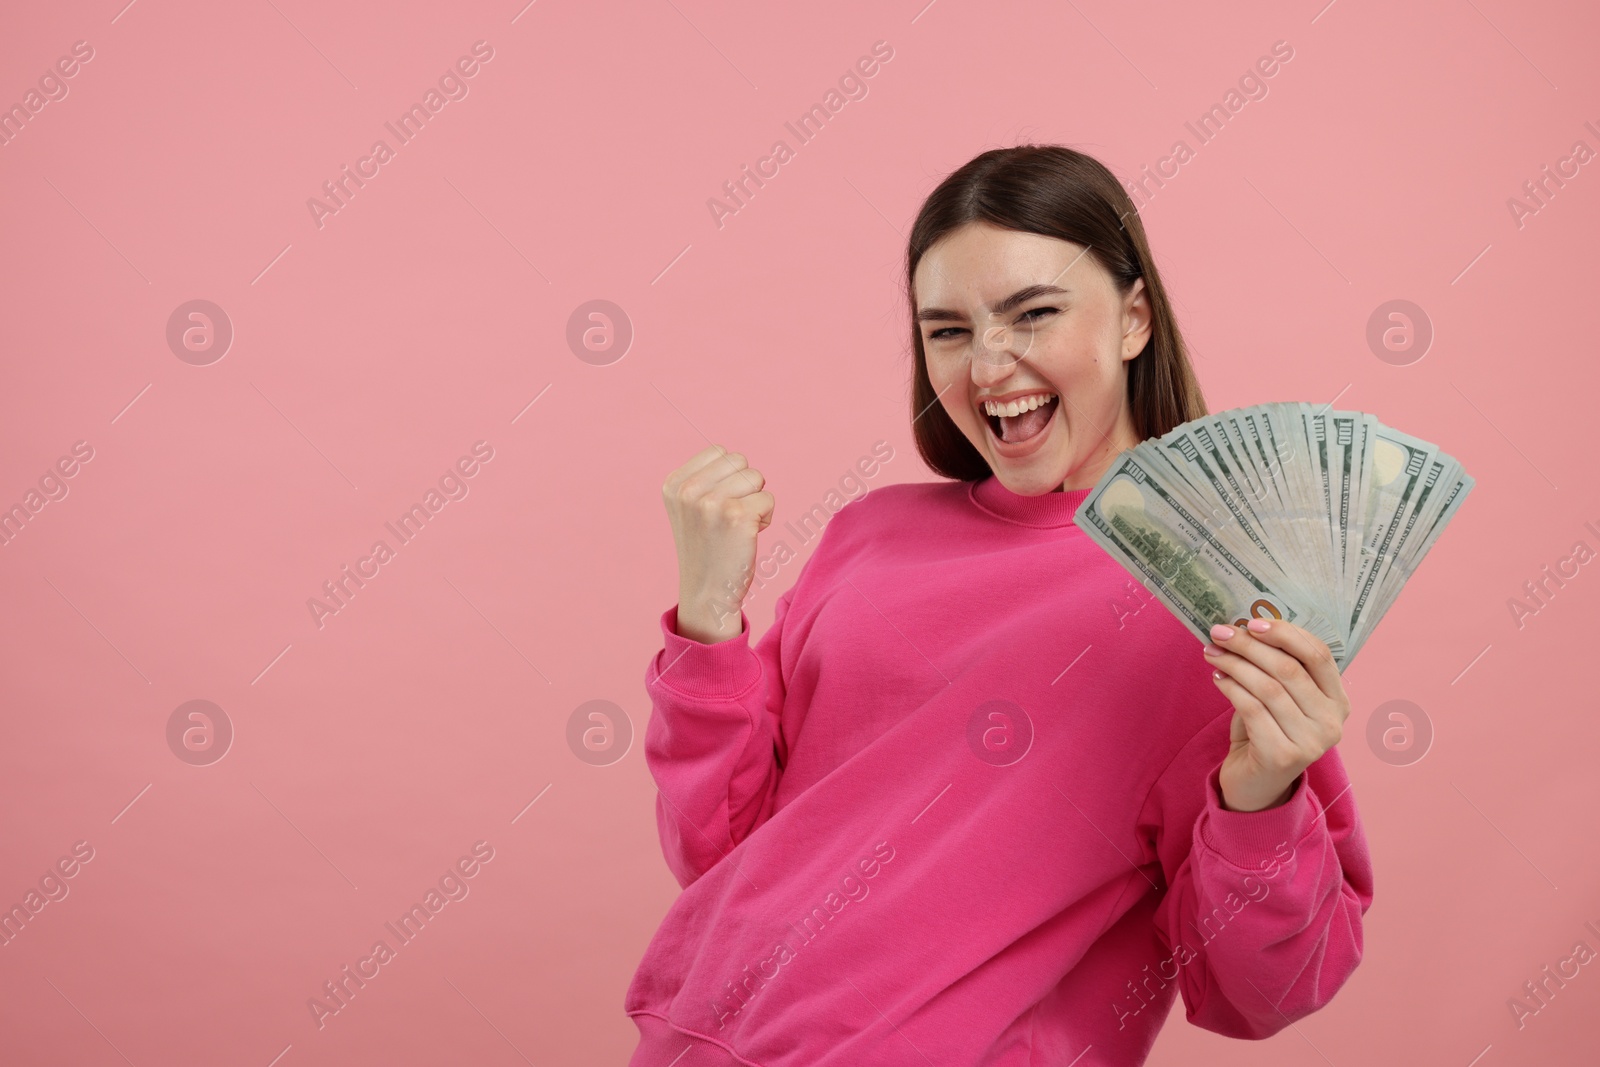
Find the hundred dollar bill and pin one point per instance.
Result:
(1340, 448)
(1208, 461)
(1218, 476)
(1444, 489)
(1396, 471)
(1312, 515)
(1280, 428)
(1135, 517)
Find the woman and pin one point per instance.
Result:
(975, 797)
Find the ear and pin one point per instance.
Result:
(1137, 319)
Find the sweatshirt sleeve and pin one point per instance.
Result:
(713, 744)
(1263, 909)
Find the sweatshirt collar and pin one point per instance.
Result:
(1045, 510)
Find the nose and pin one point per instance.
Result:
(996, 355)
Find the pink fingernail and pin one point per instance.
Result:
(1221, 632)
(1258, 625)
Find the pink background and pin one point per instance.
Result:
(370, 353)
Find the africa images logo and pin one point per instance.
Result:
(851, 888)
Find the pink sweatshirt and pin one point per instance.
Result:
(959, 806)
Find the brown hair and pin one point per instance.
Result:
(1058, 192)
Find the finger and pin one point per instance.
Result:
(1312, 653)
(708, 477)
(1258, 724)
(760, 505)
(1280, 664)
(740, 483)
(1297, 726)
(700, 461)
(696, 463)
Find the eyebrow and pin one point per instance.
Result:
(1018, 297)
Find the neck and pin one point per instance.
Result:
(1110, 448)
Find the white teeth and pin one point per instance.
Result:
(1016, 407)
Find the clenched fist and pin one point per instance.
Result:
(717, 506)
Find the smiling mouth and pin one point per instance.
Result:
(1015, 429)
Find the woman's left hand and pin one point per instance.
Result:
(1289, 708)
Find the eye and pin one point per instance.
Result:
(949, 332)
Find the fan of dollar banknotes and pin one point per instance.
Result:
(1277, 510)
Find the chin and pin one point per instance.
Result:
(1039, 478)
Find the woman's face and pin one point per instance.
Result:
(1013, 316)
